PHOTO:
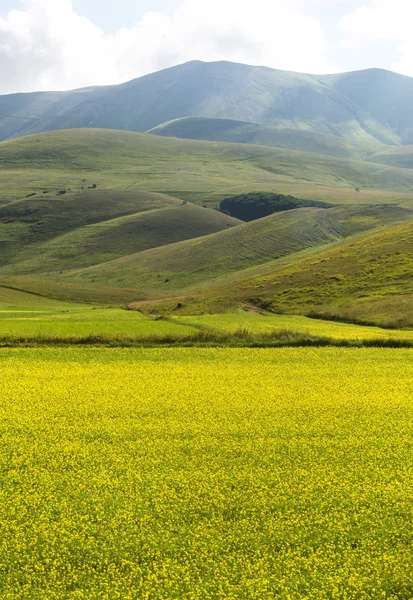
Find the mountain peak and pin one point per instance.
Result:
(370, 105)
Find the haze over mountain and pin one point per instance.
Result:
(369, 108)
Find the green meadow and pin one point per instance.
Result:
(198, 171)
(34, 321)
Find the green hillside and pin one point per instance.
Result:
(30, 221)
(176, 267)
(382, 97)
(197, 171)
(368, 280)
(364, 106)
(38, 292)
(12, 299)
(226, 130)
(111, 217)
(401, 156)
(107, 240)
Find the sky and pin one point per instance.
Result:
(68, 44)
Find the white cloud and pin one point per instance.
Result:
(384, 21)
(46, 45)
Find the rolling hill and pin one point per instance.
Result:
(107, 240)
(366, 106)
(226, 130)
(367, 280)
(197, 171)
(30, 221)
(401, 156)
(114, 217)
(177, 267)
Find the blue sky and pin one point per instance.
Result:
(62, 44)
(111, 15)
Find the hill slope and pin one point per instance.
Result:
(367, 280)
(111, 239)
(176, 267)
(198, 171)
(226, 130)
(98, 214)
(401, 156)
(30, 221)
(366, 105)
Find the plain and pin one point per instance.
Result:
(206, 473)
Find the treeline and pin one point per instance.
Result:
(256, 205)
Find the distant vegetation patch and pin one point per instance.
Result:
(256, 205)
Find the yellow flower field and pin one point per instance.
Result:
(206, 474)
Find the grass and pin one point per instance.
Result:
(28, 223)
(87, 326)
(176, 268)
(399, 156)
(266, 323)
(357, 274)
(366, 279)
(31, 291)
(15, 300)
(182, 473)
(106, 240)
(107, 233)
(48, 324)
(240, 132)
(198, 171)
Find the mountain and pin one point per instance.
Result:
(369, 107)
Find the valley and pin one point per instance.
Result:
(120, 219)
(206, 337)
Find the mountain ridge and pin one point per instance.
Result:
(372, 105)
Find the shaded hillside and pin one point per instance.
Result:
(31, 221)
(363, 106)
(173, 268)
(382, 97)
(110, 239)
(12, 298)
(31, 292)
(225, 130)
